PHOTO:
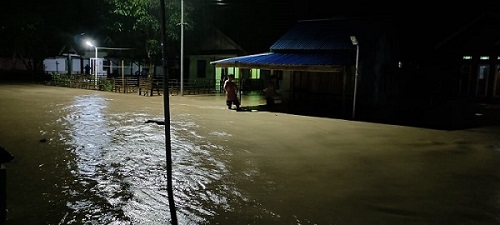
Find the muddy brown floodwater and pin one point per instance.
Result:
(88, 157)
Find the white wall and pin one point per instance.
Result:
(55, 65)
(59, 65)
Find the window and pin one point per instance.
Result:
(467, 57)
(484, 58)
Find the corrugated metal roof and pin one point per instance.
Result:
(310, 45)
(317, 35)
(289, 59)
(286, 61)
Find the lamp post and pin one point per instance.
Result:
(182, 47)
(354, 41)
(95, 62)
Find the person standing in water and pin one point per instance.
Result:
(231, 92)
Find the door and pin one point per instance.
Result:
(483, 73)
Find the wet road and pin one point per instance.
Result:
(86, 157)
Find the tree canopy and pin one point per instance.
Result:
(139, 22)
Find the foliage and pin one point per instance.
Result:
(106, 85)
(140, 20)
(145, 16)
(31, 40)
(32, 31)
(60, 79)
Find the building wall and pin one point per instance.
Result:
(57, 65)
(479, 77)
(285, 87)
(200, 61)
(60, 65)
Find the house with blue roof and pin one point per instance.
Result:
(315, 63)
(427, 71)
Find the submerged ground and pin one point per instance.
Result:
(87, 157)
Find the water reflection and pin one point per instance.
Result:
(108, 166)
(119, 168)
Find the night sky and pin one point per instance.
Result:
(259, 23)
(254, 24)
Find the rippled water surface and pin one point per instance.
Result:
(119, 166)
(87, 157)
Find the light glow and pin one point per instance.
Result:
(89, 44)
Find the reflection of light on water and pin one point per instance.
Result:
(89, 132)
(119, 168)
(220, 134)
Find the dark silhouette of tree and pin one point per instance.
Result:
(139, 21)
(33, 31)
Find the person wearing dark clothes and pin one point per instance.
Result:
(231, 92)
(87, 69)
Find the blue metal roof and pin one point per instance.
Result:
(289, 59)
(310, 45)
(317, 35)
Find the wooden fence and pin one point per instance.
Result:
(133, 84)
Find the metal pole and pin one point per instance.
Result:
(240, 78)
(355, 83)
(95, 68)
(166, 112)
(70, 64)
(182, 47)
(123, 76)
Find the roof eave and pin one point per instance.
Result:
(310, 68)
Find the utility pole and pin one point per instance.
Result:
(166, 112)
(355, 42)
(182, 47)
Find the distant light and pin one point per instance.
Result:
(484, 58)
(400, 64)
(89, 44)
(467, 57)
(220, 2)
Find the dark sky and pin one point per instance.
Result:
(258, 23)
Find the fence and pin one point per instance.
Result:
(133, 84)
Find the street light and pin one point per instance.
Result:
(354, 41)
(182, 47)
(95, 62)
(107, 48)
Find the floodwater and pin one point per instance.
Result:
(88, 157)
